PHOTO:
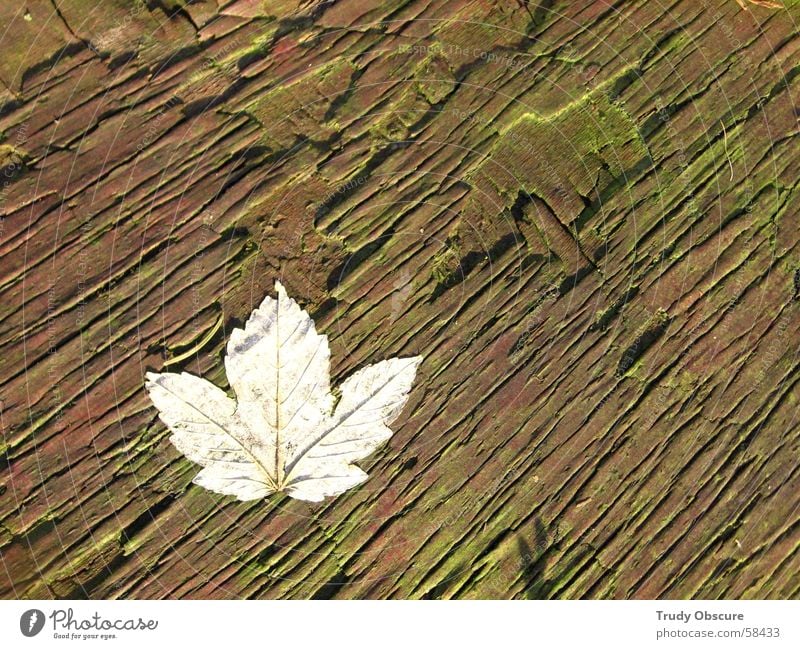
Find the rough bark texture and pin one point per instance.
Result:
(584, 215)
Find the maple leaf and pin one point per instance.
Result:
(282, 432)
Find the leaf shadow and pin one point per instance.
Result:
(533, 561)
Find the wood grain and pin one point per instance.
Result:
(583, 215)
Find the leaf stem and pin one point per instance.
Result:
(278, 458)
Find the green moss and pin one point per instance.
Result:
(589, 147)
(445, 263)
(12, 160)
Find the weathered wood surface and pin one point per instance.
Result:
(584, 215)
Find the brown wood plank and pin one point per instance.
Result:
(583, 216)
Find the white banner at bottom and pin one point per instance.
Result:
(373, 624)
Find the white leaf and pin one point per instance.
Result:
(281, 433)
